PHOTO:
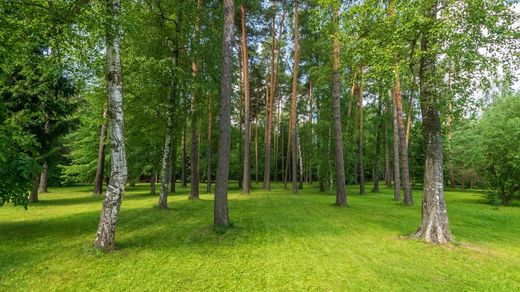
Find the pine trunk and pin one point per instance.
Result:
(208, 154)
(224, 144)
(294, 100)
(405, 177)
(105, 237)
(194, 143)
(246, 177)
(341, 197)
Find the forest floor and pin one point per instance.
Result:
(279, 242)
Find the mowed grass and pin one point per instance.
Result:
(279, 242)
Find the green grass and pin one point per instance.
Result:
(279, 242)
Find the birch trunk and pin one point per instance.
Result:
(106, 233)
(166, 159)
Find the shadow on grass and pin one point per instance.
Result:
(260, 219)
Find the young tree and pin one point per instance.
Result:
(221, 183)
(105, 237)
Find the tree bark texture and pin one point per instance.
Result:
(377, 167)
(294, 100)
(224, 144)
(434, 225)
(361, 165)
(246, 177)
(105, 236)
(341, 197)
(405, 176)
(208, 154)
(397, 176)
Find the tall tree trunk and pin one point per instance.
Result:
(194, 160)
(194, 145)
(341, 197)
(287, 157)
(275, 56)
(294, 97)
(434, 226)
(183, 157)
(257, 179)
(240, 115)
(378, 144)
(309, 159)
(360, 141)
(388, 176)
(44, 176)
(33, 195)
(166, 159)
(153, 181)
(246, 184)
(269, 107)
(167, 155)
(100, 168)
(276, 137)
(106, 233)
(221, 185)
(208, 154)
(405, 177)
(409, 117)
(397, 176)
(300, 160)
(173, 168)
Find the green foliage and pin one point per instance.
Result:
(489, 147)
(16, 166)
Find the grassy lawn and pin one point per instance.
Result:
(279, 242)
